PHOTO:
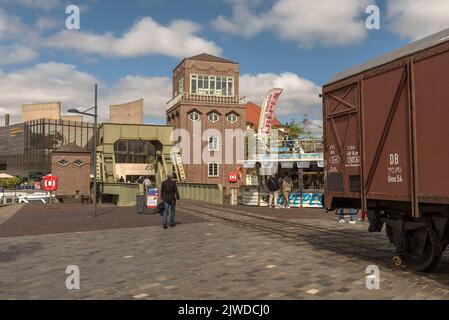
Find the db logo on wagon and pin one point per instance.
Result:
(50, 183)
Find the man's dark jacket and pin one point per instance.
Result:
(169, 191)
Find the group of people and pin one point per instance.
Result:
(276, 186)
(284, 185)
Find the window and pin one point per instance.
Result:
(213, 169)
(181, 85)
(232, 118)
(212, 85)
(213, 143)
(213, 117)
(194, 116)
(133, 151)
(79, 163)
(3, 167)
(63, 163)
(194, 84)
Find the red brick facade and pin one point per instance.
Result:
(73, 172)
(178, 116)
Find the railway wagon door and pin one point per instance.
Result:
(386, 135)
(342, 150)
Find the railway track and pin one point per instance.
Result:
(372, 247)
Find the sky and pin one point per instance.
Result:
(131, 47)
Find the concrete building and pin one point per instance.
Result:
(49, 110)
(127, 113)
(206, 93)
(26, 148)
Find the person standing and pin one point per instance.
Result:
(273, 188)
(287, 184)
(169, 194)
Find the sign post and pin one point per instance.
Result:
(50, 184)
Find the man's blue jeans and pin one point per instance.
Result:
(352, 213)
(172, 205)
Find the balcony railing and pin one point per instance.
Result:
(212, 99)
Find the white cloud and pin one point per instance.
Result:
(44, 24)
(307, 23)
(419, 18)
(300, 95)
(10, 26)
(62, 82)
(146, 37)
(16, 54)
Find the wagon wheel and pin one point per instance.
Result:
(424, 261)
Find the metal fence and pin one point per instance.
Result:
(124, 193)
(212, 193)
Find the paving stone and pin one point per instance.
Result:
(233, 261)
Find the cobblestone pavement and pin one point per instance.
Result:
(229, 253)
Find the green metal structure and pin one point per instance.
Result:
(164, 161)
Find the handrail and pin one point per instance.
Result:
(190, 97)
(212, 193)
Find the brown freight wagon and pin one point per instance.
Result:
(387, 146)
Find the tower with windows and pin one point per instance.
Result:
(206, 96)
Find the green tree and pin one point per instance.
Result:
(294, 130)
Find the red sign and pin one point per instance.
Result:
(232, 177)
(50, 183)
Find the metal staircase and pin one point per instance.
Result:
(170, 163)
(180, 172)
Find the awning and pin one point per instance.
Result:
(5, 176)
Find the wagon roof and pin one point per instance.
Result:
(410, 49)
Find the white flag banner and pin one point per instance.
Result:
(267, 112)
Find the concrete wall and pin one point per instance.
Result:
(50, 110)
(127, 113)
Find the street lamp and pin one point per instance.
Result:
(95, 116)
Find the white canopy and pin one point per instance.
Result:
(5, 176)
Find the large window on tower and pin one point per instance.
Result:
(212, 85)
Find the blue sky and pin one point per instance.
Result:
(298, 43)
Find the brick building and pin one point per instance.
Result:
(206, 93)
(72, 165)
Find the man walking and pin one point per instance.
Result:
(273, 188)
(169, 194)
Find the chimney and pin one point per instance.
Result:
(6, 120)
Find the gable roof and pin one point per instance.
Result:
(252, 115)
(205, 57)
(420, 45)
(209, 57)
